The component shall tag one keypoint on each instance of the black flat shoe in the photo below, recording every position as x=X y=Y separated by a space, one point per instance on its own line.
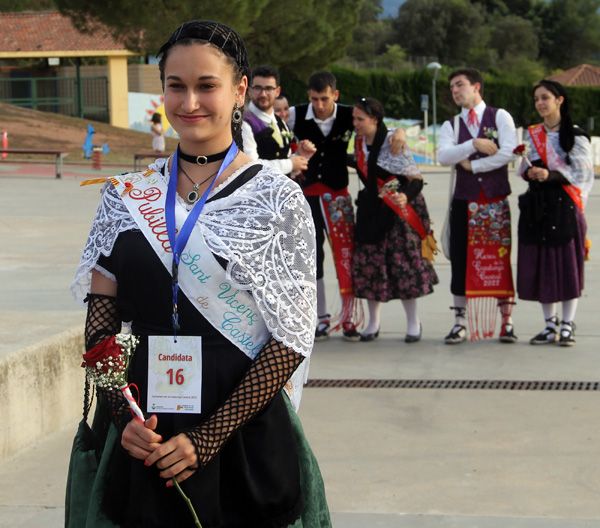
x=414 y=338
x=350 y=333
x=507 y=334
x=457 y=335
x=365 y=338
x=548 y=335
x=567 y=333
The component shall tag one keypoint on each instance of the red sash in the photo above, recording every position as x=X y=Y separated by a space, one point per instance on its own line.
x=407 y=213
x=538 y=137
x=338 y=214
x=488 y=274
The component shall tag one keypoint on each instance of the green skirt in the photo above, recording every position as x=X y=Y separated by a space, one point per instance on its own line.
x=89 y=461
x=316 y=511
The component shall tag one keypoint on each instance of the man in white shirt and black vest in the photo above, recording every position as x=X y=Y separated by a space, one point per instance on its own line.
x=325 y=183
x=265 y=134
x=479 y=142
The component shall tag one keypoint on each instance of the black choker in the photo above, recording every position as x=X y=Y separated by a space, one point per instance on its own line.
x=202 y=160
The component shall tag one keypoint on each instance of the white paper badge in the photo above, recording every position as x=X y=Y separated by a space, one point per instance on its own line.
x=174 y=374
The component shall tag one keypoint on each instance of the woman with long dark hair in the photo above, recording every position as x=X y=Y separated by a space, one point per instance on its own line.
x=392 y=254
x=211 y=256
x=552 y=226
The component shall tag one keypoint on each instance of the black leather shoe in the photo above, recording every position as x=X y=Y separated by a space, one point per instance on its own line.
x=507 y=334
x=414 y=338
x=365 y=338
x=458 y=334
x=322 y=331
x=350 y=333
x=548 y=335
x=567 y=333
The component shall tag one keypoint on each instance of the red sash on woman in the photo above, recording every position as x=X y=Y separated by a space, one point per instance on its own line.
x=407 y=213
x=538 y=137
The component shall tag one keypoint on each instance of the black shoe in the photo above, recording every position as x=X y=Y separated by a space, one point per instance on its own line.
x=350 y=333
x=365 y=338
x=322 y=331
x=548 y=335
x=458 y=334
x=414 y=338
x=507 y=334
x=567 y=333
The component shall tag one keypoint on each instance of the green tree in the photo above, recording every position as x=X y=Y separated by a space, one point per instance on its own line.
x=298 y=36
x=569 y=31
x=26 y=5
x=523 y=40
x=301 y=37
x=371 y=35
x=451 y=30
x=145 y=26
x=507 y=7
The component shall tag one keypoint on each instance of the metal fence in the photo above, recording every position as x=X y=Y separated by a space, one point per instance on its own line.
x=87 y=98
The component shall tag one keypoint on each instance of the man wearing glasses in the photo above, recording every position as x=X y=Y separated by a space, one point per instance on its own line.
x=265 y=135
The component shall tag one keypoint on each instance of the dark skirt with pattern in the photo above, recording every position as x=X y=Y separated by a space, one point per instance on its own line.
x=394 y=268
x=552 y=273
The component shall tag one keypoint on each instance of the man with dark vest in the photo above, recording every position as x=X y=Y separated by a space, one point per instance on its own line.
x=265 y=135
x=325 y=183
x=479 y=142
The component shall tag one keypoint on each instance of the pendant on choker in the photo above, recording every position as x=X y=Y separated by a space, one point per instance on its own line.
x=193 y=195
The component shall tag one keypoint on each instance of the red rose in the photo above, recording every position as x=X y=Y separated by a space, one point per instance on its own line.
x=294 y=146
x=519 y=150
x=103 y=352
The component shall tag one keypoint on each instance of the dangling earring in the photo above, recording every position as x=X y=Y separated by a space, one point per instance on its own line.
x=236 y=116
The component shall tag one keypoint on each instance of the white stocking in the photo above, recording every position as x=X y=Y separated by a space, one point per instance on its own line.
x=374 y=317
x=549 y=310
x=460 y=301
x=568 y=310
x=413 y=324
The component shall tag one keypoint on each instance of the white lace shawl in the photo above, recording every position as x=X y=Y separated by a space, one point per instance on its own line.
x=265 y=231
x=581 y=170
x=400 y=164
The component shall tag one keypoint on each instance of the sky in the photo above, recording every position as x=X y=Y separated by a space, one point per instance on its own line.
x=390 y=7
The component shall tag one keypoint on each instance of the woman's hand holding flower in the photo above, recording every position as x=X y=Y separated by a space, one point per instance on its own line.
x=176 y=458
x=538 y=174
x=398 y=199
x=139 y=439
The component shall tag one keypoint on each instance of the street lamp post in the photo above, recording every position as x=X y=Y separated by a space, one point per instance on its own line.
x=435 y=66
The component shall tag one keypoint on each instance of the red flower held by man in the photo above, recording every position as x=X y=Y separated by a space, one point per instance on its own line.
x=519 y=150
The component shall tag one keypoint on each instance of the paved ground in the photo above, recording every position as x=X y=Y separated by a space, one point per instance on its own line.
x=421 y=458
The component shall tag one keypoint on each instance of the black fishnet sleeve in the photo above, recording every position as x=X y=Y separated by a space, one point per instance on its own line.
x=102 y=321
x=266 y=377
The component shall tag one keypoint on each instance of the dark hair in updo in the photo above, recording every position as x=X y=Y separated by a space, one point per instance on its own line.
x=221 y=37
x=566 y=132
x=372 y=107
x=208 y=32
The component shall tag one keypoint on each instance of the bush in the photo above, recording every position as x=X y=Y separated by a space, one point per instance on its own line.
x=401 y=95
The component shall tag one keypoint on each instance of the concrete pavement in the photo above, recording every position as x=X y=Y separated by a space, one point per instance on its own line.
x=401 y=458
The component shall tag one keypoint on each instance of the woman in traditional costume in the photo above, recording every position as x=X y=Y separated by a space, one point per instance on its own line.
x=211 y=256
x=552 y=226
x=393 y=240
